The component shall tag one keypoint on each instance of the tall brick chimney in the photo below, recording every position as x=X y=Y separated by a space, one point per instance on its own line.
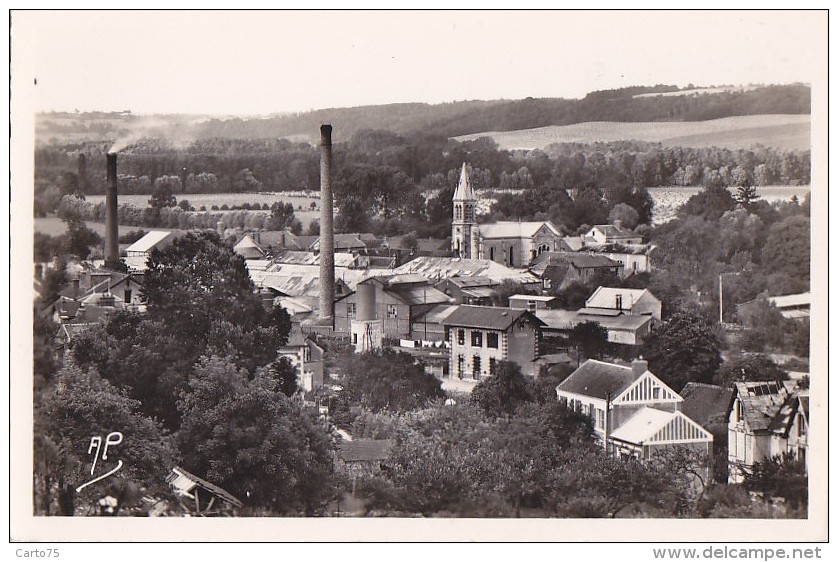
x=327 y=235
x=111 y=205
x=81 y=172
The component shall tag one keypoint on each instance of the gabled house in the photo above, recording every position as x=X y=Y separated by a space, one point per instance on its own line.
x=557 y=270
x=634 y=302
x=622 y=329
x=515 y=244
x=632 y=258
x=470 y=290
x=480 y=336
x=612 y=234
x=766 y=419
x=307 y=357
x=248 y=248
x=397 y=302
x=634 y=413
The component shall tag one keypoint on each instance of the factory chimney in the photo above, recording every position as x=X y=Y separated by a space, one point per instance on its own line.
x=111 y=236
x=81 y=172
x=327 y=238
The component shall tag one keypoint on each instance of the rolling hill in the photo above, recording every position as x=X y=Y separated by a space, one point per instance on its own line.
x=785 y=132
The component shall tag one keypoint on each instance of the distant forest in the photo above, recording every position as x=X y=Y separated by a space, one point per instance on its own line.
x=447 y=119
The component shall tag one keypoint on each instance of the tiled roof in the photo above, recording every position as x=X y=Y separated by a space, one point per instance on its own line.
x=761 y=402
x=597 y=378
x=491 y=317
x=513 y=229
x=365 y=450
x=579 y=260
x=606 y=297
x=705 y=403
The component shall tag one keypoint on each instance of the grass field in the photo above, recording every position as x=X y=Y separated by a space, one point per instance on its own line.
x=785 y=132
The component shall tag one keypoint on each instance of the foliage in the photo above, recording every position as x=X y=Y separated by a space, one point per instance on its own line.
x=388 y=380
x=683 y=349
x=281 y=376
x=748 y=367
x=710 y=203
x=787 y=247
x=45 y=356
x=626 y=214
x=82 y=405
x=253 y=441
x=502 y=392
x=781 y=476
x=589 y=339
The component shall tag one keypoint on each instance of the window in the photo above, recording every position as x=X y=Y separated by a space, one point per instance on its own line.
x=492 y=365
x=461 y=361
x=350 y=310
x=547 y=283
x=476 y=338
x=492 y=340
x=355 y=339
x=531 y=306
x=392 y=311
x=461 y=336
x=511 y=256
x=127 y=298
x=600 y=419
x=492 y=253
x=475 y=368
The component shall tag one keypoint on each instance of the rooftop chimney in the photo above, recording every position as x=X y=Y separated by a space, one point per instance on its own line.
x=327 y=237
x=639 y=366
x=111 y=205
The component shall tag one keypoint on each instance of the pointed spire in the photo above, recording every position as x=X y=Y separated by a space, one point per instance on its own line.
x=463 y=191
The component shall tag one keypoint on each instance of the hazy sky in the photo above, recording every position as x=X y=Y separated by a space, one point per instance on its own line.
x=270 y=62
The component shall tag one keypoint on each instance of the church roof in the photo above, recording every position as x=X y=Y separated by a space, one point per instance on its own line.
x=464 y=192
x=514 y=229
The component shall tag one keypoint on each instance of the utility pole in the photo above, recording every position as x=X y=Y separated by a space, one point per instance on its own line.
x=721 y=305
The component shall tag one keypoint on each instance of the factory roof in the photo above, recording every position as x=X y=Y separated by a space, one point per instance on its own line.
x=149 y=241
x=439 y=268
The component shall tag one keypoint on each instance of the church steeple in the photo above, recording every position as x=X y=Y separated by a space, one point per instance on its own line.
x=464 y=223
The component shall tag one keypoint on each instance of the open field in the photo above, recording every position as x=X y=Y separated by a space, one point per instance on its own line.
x=210 y=199
x=786 y=132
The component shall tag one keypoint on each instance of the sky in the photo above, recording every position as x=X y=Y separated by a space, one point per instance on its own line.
x=257 y=63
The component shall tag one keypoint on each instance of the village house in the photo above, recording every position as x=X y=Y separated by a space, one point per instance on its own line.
x=623 y=329
x=531 y=302
x=307 y=358
x=766 y=419
x=557 y=270
x=480 y=336
x=611 y=234
x=636 y=302
x=634 y=413
x=137 y=253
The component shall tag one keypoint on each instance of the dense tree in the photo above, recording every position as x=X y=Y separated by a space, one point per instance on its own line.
x=780 y=476
x=249 y=438
x=626 y=214
x=748 y=367
x=711 y=203
x=683 y=349
x=502 y=392
x=82 y=405
x=388 y=380
x=788 y=247
x=589 y=339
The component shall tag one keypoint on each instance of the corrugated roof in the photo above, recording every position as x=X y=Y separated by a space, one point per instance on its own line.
x=567 y=319
x=413 y=295
x=606 y=297
x=446 y=268
x=537 y=298
x=365 y=450
x=512 y=229
x=599 y=312
x=149 y=241
x=491 y=317
x=297 y=257
x=705 y=403
x=597 y=378
x=476 y=281
x=480 y=292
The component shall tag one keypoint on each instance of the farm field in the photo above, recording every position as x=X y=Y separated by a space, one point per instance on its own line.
x=785 y=132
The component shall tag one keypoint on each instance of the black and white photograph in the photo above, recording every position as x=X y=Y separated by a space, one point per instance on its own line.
x=466 y=275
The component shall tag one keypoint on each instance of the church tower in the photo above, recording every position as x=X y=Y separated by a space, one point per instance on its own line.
x=464 y=235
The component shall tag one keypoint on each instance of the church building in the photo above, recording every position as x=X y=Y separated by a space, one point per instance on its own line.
x=511 y=243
